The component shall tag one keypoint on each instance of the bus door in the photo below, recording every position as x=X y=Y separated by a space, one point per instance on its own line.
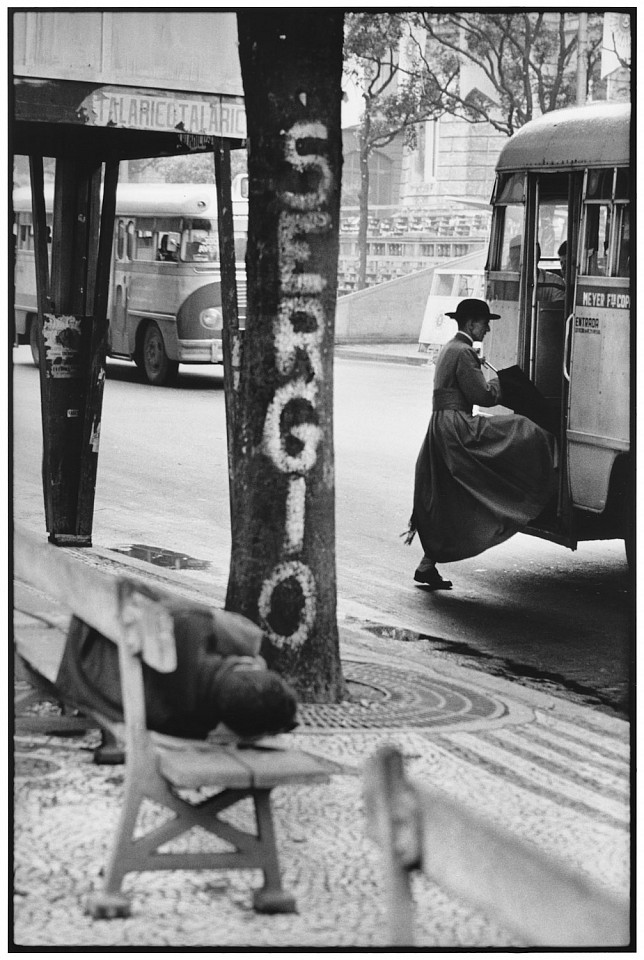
x=598 y=331
x=121 y=274
x=551 y=228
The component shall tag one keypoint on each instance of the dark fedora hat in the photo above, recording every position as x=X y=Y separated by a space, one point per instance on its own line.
x=472 y=309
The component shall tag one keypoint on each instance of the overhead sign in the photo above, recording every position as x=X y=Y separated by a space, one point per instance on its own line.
x=211 y=117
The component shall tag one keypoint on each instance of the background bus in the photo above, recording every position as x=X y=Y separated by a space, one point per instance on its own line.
x=463 y=278
x=164 y=304
x=565 y=179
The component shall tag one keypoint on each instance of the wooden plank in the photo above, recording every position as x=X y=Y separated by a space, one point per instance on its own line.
x=510 y=881
x=217 y=767
x=273 y=767
x=514 y=883
x=43 y=658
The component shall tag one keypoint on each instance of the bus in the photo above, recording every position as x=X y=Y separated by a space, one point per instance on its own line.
x=164 y=305
x=461 y=278
x=558 y=273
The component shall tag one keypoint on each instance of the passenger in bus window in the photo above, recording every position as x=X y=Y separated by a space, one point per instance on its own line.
x=164 y=253
x=478 y=479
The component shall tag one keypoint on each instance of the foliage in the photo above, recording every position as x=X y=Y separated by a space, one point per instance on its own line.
x=187 y=168
x=525 y=61
x=395 y=99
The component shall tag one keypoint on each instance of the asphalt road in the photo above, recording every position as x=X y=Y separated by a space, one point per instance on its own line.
x=530 y=609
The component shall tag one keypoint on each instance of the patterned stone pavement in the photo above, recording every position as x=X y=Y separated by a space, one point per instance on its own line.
x=554 y=773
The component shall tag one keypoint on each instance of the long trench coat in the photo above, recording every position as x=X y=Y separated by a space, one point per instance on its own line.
x=479 y=479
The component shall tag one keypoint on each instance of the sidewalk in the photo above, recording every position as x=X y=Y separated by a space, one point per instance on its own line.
x=554 y=773
x=383 y=352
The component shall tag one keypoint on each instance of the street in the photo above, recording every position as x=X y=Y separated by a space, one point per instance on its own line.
x=526 y=609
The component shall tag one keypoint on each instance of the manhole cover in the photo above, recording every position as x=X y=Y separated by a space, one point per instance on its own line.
x=382 y=696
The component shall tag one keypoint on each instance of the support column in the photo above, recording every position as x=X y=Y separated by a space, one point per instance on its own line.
x=72 y=337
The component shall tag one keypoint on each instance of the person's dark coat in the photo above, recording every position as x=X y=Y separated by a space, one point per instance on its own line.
x=479 y=479
x=182 y=703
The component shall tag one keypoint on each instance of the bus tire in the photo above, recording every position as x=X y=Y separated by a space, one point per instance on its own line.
x=159 y=370
x=33 y=341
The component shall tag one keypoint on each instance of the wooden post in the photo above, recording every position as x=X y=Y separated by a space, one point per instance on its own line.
x=231 y=340
x=43 y=297
x=73 y=335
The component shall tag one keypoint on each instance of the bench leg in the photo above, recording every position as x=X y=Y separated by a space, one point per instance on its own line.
x=110 y=751
x=271 y=898
x=110 y=902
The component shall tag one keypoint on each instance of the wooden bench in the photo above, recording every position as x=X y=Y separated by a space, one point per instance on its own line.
x=158 y=766
x=507 y=880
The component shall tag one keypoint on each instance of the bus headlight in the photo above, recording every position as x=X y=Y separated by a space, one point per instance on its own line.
x=212 y=318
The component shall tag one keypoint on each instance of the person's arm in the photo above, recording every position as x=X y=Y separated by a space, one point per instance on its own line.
x=472 y=384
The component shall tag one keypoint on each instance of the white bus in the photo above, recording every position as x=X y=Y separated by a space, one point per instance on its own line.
x=164 y=304
x=558 y=273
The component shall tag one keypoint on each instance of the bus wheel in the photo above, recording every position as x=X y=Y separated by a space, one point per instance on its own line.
x=157 y=366
x=33 y=341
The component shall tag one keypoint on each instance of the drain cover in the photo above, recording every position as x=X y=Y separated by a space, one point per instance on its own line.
x=162 y=557
x=382 y=696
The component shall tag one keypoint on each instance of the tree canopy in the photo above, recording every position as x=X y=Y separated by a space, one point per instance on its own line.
x=502 y=68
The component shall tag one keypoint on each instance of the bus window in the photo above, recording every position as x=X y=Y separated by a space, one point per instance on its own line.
x=26 y=236
x=444 y=284
x=120 y=240
x=199 y=241
x=552 y=227
x=131 y=241
x=465 y=286
x=168 y=246
x=145 y=246
x=510 y=249
x=621 y=266
x=594 y=259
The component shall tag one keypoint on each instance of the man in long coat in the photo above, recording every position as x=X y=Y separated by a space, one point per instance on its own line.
x=479 y=479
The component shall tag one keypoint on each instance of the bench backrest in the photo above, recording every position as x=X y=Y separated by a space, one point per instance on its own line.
x=509 y=881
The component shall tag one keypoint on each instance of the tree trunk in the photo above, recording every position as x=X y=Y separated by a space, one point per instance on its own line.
x=283 y=532
x=363 y=222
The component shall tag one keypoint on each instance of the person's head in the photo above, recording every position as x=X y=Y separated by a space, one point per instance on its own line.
x=473 y=317
x=253 y=701
x=562 y=253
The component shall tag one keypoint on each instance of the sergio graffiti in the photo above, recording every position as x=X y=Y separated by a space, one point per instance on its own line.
x=291 y=441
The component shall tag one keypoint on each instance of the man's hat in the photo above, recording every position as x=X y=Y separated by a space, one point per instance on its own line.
x=472 y=309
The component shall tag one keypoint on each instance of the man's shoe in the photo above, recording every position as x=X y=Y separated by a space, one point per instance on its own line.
x=432 y=578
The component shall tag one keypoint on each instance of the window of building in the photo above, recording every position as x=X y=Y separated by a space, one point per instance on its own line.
x=380 y=179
